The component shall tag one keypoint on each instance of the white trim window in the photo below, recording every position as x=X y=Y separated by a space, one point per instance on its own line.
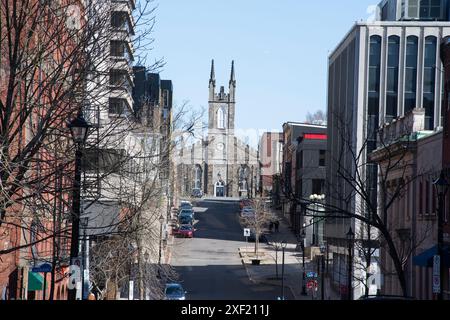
x=221 y=118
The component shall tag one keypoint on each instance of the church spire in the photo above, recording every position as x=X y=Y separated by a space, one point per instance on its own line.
x=232 y=78
x=212 y=77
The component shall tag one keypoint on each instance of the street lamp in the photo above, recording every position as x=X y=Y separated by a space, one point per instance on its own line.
x=283 y=246
x=303 y=236
x=85 y=275
x=79 y=130
x=441 y=186
x=350 y=239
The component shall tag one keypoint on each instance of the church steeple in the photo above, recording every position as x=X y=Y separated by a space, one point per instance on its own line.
x=212 y=77
x=232 y=78
x=212 y=82
x=232 y=87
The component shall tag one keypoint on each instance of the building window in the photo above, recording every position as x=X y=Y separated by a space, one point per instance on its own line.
x=119 y=20
x=198 y=177
x=430 y=9
x=413 y=9
x=384 y=12
x=374 y=89
x=243 y=178
x=411 y=73
x=116 y=106
x=429 y=81
x=300 y=159
x=322 y=158
x=221 y=118
x=118 y=48
x=317 y=186
x=392 y=78
x=166 y=98
x=117 y=77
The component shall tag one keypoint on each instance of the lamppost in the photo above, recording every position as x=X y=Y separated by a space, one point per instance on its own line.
x=350 y=239
x=161 y=221
x=303 y=237
x=313 y=199
x=283 y=246
x=79 y=130
x=143 y=277
x=85 y=275
x=441 y=186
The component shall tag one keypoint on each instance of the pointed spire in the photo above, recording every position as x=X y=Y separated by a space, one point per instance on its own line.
x=213 y=74
x=232 y=78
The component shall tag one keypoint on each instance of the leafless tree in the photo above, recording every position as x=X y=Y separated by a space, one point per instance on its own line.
x=318 y=117
x=257 y=220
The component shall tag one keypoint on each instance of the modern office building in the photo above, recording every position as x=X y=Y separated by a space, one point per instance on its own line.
x=380 y=71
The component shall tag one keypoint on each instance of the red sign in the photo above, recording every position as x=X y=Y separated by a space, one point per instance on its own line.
x=314 y=136
x=312 y=284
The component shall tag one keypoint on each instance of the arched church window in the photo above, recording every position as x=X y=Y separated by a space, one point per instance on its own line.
x=197 y=177
x=243 y=178
x=221 y=118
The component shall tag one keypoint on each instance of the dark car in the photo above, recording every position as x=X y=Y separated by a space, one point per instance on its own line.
x=186 y=220
x=197 y=193
x=175 y=291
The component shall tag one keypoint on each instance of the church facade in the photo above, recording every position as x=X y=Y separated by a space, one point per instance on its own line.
x=220 y=165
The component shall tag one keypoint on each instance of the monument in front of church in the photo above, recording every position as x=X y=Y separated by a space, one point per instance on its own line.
x=221 y=165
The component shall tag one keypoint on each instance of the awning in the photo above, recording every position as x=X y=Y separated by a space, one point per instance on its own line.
x=35 y=281
x=425 y=259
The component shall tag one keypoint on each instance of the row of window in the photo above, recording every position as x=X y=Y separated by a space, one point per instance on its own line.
x=410 y=82
x=243 y=174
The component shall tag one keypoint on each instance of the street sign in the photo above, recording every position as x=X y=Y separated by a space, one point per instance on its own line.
x=311 y=274
x=246 y=232
x=312 y=285
x=45 y=267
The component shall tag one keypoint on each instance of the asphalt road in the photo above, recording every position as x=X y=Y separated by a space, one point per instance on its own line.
x=209 y=265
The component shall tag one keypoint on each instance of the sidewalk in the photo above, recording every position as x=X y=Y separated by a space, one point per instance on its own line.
x=266 y=272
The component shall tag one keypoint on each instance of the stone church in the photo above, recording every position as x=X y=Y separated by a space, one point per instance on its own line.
x=221 y=165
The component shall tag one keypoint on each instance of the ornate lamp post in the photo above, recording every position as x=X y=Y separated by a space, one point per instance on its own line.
x=350 y=239
x=283 y=246
x=303 y=237
x=441 y=186
x=161 y=221
x=79 y=130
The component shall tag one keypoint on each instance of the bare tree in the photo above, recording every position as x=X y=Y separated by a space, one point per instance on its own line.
x=257 y=220
x=318 y=117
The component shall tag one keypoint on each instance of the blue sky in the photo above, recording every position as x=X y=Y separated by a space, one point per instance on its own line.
x=280 y=50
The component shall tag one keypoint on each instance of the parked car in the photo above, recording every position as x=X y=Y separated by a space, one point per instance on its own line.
x=185 y=231
x=186 y=212
x=186 y=220
x=185 y=203
x=197 y=193
x=175 y=291
x=247 y=212
x=245 y=203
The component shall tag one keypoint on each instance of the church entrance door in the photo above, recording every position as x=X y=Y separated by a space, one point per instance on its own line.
x=219 y=189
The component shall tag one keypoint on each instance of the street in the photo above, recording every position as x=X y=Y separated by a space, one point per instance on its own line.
x=209 y=265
